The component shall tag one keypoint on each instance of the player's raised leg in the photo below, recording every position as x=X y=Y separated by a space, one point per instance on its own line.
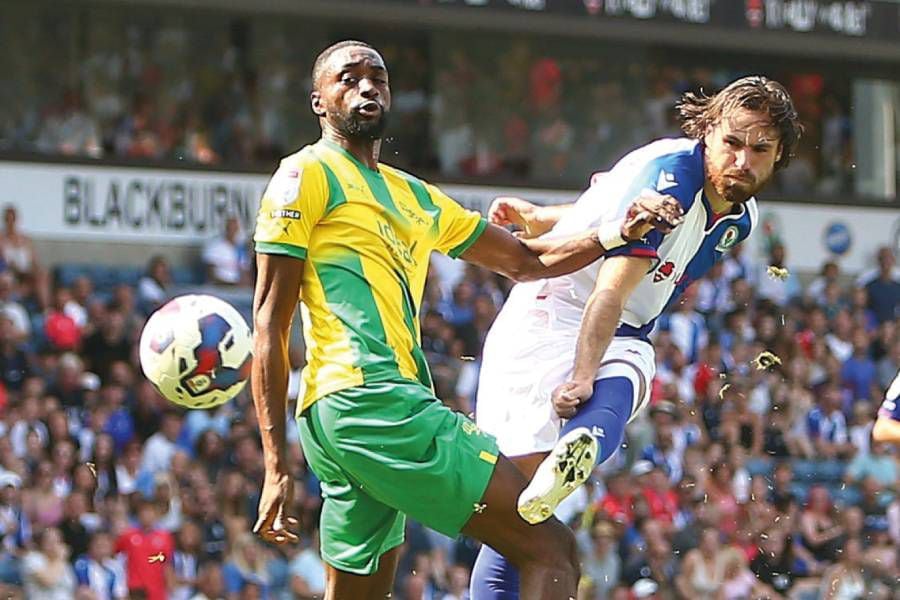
x=586 y=440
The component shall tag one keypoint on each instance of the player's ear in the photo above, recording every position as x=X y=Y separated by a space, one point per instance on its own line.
x=315 y=101
x=779 y=152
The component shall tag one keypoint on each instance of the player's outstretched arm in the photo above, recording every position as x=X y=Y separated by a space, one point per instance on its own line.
x=525 y=260
x=533 y=220
x=887 y=430
x=274 y=303
x=616 y=280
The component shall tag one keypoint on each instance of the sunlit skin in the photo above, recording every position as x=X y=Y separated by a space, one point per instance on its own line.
x=886 y=430
x=352 y=99
x=740 y=157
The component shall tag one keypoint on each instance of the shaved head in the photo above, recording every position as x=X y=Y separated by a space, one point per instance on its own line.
x=322 y=59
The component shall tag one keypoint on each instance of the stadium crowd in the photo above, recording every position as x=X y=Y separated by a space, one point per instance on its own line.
x=116 y=87
x=739 y=482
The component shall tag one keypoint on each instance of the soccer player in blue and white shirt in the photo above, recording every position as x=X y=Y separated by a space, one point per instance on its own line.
x=576 y=347
x=887 y=425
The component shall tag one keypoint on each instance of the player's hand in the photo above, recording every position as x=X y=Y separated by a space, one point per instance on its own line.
x=651 y=210
x=567 y=397
x=507 y=210
x=277 y=496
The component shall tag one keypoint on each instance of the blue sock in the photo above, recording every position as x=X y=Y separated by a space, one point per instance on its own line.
x=605 y=414
x=493 y=577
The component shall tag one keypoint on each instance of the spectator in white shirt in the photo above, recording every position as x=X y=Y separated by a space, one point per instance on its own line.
x=225 y=257
x=161 y=446
x=12 y=309
x=778 y=291
x=152 y=292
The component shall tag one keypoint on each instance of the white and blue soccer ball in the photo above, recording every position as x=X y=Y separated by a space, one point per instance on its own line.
x=196 y=350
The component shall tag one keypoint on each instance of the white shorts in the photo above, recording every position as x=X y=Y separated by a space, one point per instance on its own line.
x=520 y=370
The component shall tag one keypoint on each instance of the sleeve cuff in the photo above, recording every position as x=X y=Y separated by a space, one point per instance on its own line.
x=476 y=233
x=638 y=250
x=282 y=249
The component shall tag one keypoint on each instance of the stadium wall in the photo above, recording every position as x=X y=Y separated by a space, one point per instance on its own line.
x=135 y=212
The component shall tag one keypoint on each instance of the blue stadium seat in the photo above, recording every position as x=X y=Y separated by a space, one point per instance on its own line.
x=759 y=466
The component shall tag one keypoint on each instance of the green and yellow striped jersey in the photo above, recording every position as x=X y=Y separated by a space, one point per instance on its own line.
x=366 y=236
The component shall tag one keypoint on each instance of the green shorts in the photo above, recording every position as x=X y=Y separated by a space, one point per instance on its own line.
x=385 y=450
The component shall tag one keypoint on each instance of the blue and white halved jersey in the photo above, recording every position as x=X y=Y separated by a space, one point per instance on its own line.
x=890 y=408
x=668 y=166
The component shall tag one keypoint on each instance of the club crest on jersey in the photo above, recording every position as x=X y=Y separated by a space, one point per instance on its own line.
x=664 y=271
x=728 y=239
x=285 y=186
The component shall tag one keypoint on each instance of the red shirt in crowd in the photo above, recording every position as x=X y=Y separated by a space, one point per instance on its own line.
x=663 y=505
x=147 y=554
x=617 y=508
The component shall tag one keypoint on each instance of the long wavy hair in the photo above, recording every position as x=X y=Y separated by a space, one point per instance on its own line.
x=699 y=112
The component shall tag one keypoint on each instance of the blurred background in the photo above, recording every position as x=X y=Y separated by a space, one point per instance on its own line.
x=136 y=137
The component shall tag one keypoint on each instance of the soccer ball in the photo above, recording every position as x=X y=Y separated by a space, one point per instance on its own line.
x=196 y=351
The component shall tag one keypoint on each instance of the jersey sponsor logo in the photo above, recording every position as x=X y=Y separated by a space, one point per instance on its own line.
x=664 y=271
x=285 y=213
x=665 y=181
x=728 y=239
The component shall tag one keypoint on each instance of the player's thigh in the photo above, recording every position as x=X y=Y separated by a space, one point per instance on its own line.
x=514 y=401
x=377 y=586
x=409 y=451
x=634 y=360
x=499 y=525
x=355 y=529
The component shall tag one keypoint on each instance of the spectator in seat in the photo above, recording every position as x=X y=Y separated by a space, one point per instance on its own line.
x=307 y=572
x=879 y=464
x=15 y=362
x=210 y=583
x=46 y=571
x=11 y=309
x=775 y=290
x=829 y=274
x=186 y=561
x=883 y=286
x=845 y=580
x=774 y=564
x=161 y=446
x=827 y=427
x=111 y=342
x=226 y=259
x=21 y=258
x=602 y=565
x=819 y=525
x=245 y=565
x=61 y=329
x=153 y=286
x=98 y=571
x=703 y=571
x=858 y=373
